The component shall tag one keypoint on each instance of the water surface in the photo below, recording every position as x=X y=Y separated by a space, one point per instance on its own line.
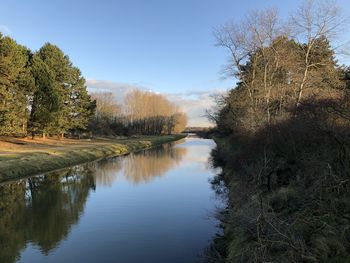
x=151 y=206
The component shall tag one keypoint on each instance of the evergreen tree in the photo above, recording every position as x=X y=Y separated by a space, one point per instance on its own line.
x=58 y=64
x=81 y=108
x=16 y=87
x=46 y=99
x=75 y=107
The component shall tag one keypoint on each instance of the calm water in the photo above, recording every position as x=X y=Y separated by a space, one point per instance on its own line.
x=152 y=206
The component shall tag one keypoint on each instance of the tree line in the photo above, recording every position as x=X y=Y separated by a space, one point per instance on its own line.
x=283 y=139
x=43 y=93
x=142 y=112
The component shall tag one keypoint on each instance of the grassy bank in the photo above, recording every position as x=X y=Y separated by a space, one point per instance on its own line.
x=25 y=157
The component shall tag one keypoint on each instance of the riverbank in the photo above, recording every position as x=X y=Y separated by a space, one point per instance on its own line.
x=288 y=195
x=25 y=157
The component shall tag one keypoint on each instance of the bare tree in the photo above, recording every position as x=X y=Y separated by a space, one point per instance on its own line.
x=312 y=21
x=106 y=105
x=254 y=40
x=152 y=113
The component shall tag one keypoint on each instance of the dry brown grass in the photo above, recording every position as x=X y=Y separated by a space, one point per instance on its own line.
x=20 y=157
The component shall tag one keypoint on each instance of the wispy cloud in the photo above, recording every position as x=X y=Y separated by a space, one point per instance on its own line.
x=194 y=103
x=5 y=29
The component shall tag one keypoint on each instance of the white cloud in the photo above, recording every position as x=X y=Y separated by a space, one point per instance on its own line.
x=5 y=30
x=119 y=90
x=194 y=103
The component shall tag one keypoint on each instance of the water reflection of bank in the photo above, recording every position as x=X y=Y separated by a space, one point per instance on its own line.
x=41 y=210
x=144 y=167
x=140 y=167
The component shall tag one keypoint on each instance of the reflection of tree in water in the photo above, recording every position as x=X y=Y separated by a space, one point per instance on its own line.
x=41 y=210
x=106 y=170
x=143 y=166
x=12 y=205
x=137 y=167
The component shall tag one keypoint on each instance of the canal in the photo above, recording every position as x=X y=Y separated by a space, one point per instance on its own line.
x=153 y=206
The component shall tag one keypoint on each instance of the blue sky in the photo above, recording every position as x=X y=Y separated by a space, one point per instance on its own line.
x=166 y=46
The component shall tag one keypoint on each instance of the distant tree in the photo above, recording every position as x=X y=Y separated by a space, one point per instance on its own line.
x=106 y=105
x=151 y=113
x=180 y=122
x=106 y=119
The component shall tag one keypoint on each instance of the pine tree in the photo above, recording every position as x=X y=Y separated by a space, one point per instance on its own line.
x=46 y=99
x=75 y=107
x=16 y=87
x=81 y=108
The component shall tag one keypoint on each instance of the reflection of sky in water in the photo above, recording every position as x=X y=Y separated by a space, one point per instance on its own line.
x=198 y=150
x=152 y=206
